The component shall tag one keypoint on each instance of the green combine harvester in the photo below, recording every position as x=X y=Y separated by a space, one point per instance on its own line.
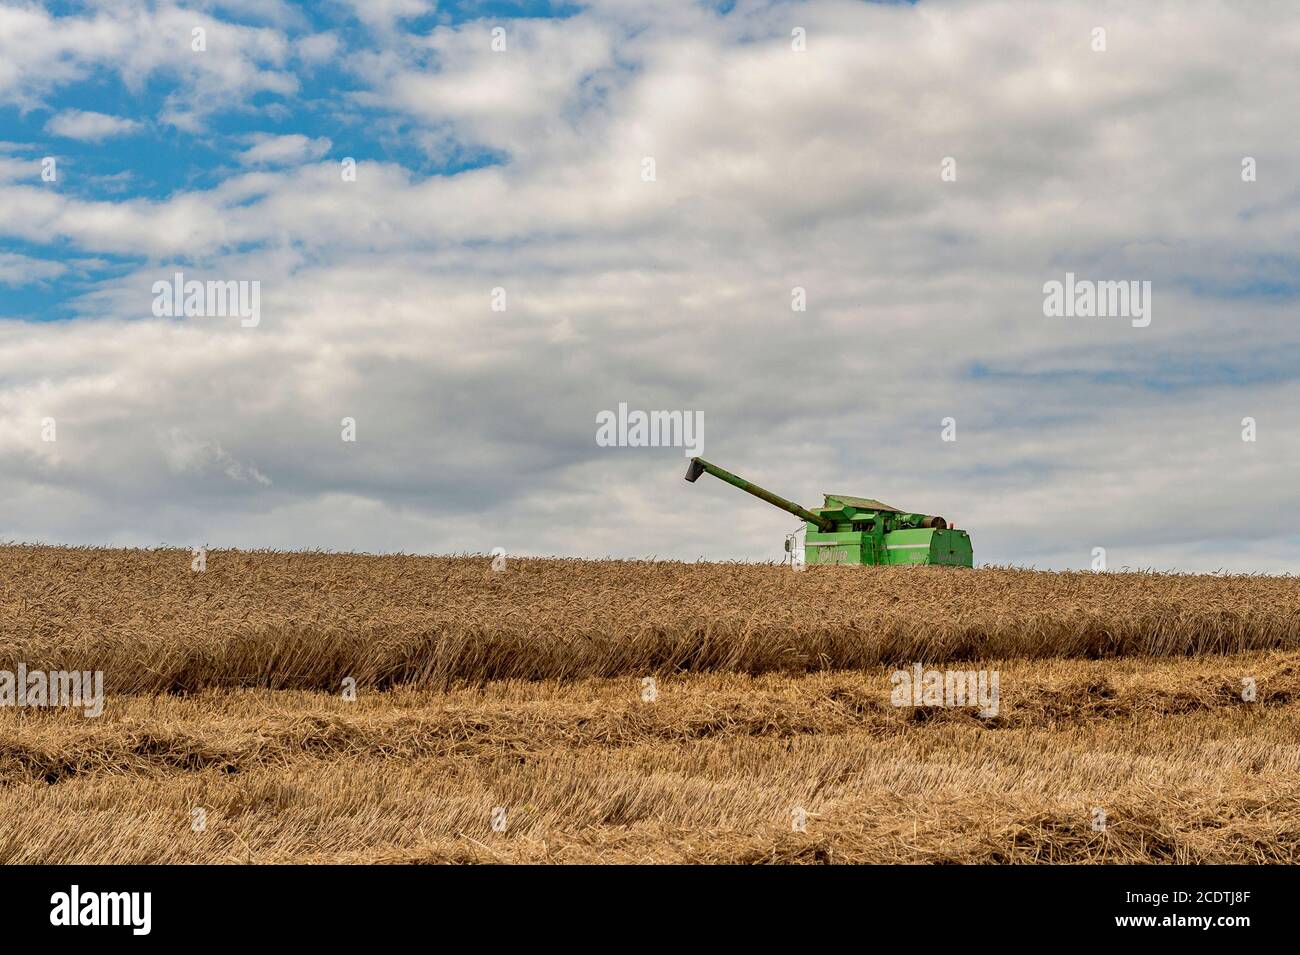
x=858 y=530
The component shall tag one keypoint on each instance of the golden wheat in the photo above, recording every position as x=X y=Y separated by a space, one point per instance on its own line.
x=711 y=771
x=520 y=692
x=307 y=620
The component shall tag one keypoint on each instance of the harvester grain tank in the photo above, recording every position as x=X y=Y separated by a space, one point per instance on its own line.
x=859 y=530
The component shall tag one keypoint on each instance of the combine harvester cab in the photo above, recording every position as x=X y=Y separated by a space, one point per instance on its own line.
x=859 y=530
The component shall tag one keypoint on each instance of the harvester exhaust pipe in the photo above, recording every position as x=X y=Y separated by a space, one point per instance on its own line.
x=694 y=470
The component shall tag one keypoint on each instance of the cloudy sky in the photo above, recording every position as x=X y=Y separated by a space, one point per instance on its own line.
x=920 y=171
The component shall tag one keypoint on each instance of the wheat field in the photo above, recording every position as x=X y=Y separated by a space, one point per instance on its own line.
x=504 y=716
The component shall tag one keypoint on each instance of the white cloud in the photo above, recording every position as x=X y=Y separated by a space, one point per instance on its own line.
x=41 y=52
x=317 y=48
x=186 y=454
x=775 y=169
x=530 y=98
x=288 y=150
x=24 y=270
x=384 y=15
x=89 y=126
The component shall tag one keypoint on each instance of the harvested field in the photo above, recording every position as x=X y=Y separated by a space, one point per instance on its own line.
x=523 y=691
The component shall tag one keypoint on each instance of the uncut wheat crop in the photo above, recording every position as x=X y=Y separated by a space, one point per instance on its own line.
x=502 y=716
